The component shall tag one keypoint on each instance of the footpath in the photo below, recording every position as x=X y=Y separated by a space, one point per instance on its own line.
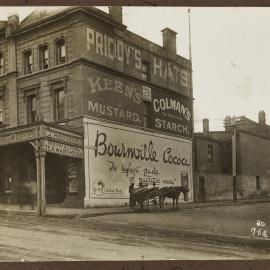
x=233 y=224
x=57 y=210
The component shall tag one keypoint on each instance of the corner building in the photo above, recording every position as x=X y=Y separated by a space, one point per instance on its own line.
x=87 y=107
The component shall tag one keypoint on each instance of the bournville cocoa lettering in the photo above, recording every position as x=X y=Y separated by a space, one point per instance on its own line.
x=102 y=148
x=145 y=152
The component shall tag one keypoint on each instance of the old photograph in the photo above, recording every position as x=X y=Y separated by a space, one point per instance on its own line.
x=134 y=133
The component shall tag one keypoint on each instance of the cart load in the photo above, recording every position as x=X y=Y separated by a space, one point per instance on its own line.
x=154 y=197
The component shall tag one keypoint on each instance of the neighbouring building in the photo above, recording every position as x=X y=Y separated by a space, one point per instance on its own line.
x=213 y=160
x=88 y=107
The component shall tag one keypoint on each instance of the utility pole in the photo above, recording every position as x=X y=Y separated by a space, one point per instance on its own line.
x=234 y=159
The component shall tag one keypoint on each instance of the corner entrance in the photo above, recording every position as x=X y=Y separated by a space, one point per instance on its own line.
x=45 y=156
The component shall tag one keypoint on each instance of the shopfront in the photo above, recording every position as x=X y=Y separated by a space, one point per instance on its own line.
x=48 y=155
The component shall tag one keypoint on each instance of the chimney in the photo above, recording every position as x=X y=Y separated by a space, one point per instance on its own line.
x=169 y=40
x=205 y=126
x=116 y=13
x=261 y=117
x=12 y=24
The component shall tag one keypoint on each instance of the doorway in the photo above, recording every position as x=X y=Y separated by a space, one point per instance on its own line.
x=201 y=189
x=55 y=179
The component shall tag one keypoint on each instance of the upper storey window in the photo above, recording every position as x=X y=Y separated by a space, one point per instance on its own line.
x=60 y=51
x=1 y=110
x=31 y=108
x=28 y=62
x=44 y=57
x=59 y=104
x=1 y=64
x=145 y=71
x=210 y=153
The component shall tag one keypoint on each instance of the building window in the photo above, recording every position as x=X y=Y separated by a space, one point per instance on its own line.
x=28 y=63
x=43 y=57
x=1 y=64
x=31 y=108
x=210 y=153
x=59 y=104
x=145 y=71
x=60 y=51
x=1 y=110
x=258 y=183
x=146 y=109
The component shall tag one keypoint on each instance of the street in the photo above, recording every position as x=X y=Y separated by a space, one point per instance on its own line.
x=135 y=236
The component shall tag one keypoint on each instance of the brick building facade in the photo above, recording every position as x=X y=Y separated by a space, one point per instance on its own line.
x=69 y=72
x=213 y=151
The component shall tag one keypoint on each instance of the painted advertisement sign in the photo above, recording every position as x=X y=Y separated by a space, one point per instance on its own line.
x=72 y=175
x=63 y=149
x=171 y=113
x=113 y=98
x=20 y=136
x=54 y=134
x=119 y=54
x=117 y=156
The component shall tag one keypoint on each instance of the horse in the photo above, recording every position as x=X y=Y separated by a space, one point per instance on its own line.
x=173 y=193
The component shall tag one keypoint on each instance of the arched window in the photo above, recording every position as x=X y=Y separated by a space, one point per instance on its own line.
x=28 y=63
x=60 y=51
x=44 y=57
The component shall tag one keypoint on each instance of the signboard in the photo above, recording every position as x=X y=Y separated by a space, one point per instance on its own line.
x=63 y=149
x=72 y=174
x=147 y=93
x=112 y=98
x=171 y=113
x=19 y=136
x=117 y=156
x=114 y=52
x=57 y=135
x=184 y=179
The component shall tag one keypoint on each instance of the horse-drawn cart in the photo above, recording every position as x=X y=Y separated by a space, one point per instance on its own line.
x=153 y=198
x=143 y=197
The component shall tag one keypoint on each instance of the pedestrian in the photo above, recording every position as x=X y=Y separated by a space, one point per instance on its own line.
x=22 y=194
x=29 y=194
x=32 y=193
x=131 y=187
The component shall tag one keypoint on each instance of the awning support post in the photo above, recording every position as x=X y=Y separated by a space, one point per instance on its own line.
x=40 y=155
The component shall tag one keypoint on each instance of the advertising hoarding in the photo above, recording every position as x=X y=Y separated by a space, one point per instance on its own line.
x=113 y=98
x=171 y=113
x=116 y=156
x=123 y=55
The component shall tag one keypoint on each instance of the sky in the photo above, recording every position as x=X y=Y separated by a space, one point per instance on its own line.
x=230 y=55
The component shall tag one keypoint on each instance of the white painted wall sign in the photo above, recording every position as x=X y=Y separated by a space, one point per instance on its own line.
x=116 y=155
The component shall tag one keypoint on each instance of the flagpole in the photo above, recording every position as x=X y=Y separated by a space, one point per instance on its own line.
x=189 y=32
x=192 y=106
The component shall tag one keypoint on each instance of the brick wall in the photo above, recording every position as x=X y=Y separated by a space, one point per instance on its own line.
x=217 y=186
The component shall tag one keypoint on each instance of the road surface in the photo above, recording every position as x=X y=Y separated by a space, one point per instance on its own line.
x=112 y=237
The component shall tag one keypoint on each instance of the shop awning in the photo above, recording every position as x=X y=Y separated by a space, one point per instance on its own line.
x=53 y=138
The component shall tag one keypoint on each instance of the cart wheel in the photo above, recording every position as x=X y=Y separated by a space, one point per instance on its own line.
x=153 y=201
x=138 y=207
